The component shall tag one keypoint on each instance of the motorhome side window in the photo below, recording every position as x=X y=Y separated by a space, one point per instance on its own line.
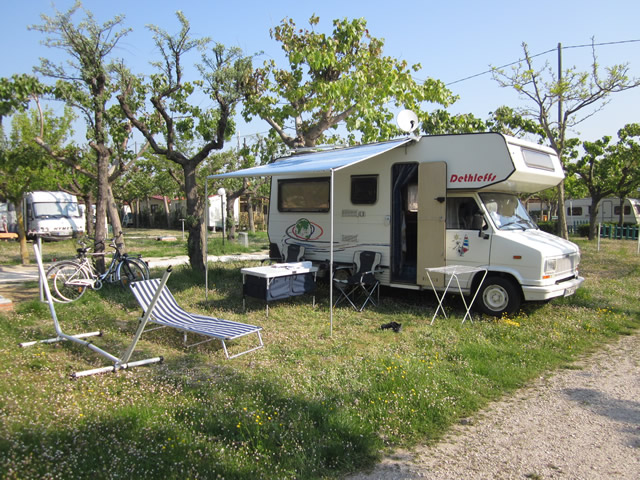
x=575 y=211
x=627 y=210
x=460 y=213
x=304 y=195
x=364 y=189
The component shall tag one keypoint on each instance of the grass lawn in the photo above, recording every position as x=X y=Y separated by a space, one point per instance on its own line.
x=308 y=405
x=144 y=242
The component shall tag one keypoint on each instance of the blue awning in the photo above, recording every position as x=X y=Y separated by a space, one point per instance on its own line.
x=324 y=161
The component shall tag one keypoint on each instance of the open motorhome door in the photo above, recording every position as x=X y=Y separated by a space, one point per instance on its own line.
x=432 y=205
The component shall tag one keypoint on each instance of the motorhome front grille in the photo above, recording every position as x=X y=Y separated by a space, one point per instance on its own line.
x=568 y=263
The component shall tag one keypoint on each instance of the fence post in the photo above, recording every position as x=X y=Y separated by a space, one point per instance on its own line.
x=599 y=233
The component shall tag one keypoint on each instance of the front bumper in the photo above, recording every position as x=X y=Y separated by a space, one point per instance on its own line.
x=563 y=289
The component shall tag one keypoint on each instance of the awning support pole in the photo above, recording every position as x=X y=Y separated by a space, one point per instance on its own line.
x=331 y=257
x=206 y=240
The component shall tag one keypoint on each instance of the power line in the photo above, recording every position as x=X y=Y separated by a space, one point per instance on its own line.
x=540 y=54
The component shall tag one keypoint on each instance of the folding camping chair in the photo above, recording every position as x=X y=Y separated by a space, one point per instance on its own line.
x=362 y=282
x=118 y=363
x=292 y=253
x=157 y=301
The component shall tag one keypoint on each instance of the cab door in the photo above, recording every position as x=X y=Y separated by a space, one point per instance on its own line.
x=468 y=236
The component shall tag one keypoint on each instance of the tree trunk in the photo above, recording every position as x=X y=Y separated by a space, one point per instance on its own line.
x=593 y=218
x=22 y=235
x=195 y=225
x=230 y=220
x=101 y=208
x=167 y=213
x=114 y=215
x=88 y=212
x=621 y=217
x=250 y=216
x=150 y=212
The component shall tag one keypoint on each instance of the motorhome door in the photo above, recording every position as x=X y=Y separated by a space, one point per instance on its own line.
x=418 y=221
x=432 y=194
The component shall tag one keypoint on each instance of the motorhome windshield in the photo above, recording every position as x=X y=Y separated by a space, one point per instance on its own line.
x=56 y=209
x=507 y=212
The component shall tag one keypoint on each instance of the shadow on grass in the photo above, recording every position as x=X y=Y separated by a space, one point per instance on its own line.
x=235 y=428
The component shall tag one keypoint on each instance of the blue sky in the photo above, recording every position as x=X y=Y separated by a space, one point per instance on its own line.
x=452 y=40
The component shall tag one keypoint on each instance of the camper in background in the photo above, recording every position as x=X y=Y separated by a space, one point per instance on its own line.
x=53 y=215
x=578 y=211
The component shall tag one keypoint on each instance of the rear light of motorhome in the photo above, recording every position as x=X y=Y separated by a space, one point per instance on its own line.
x=517 y=257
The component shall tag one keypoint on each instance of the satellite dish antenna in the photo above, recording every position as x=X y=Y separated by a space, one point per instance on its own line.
x=407 y=121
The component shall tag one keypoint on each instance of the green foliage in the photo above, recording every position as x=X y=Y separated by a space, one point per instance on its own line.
x=583 y=230
x=441 y=122
x=16 y=92
x=549 y=227
x=333 y=79
x=24 y=166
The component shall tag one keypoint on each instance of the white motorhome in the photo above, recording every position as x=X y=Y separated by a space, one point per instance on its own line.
x=428 y=202
x=53 y=215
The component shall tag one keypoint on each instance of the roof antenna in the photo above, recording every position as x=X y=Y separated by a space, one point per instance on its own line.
x=407 y=122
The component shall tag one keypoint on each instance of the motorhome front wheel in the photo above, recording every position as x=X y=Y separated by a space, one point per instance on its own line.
x=499 y=296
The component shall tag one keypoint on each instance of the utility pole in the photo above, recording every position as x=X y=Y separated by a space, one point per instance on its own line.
x=559 y=84
x=562 y=219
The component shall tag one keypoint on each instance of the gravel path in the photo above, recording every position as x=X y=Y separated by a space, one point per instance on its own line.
x=581 y=423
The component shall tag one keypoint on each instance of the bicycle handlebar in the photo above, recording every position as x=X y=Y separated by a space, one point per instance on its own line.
x=112 y=243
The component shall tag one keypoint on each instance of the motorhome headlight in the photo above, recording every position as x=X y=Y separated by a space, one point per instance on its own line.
x=550 y=266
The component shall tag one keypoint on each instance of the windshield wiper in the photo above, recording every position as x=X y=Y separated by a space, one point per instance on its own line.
x=515 y=222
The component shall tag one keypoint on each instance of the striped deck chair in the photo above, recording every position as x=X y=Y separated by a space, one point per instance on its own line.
x=166 y=312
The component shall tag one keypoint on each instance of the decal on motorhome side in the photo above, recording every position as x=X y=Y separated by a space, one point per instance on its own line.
x=305 y=229
x=472 y=177
x=311 y=235
x=461 y=245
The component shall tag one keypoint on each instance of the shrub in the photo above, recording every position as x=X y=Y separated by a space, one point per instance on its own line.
x=549 y=227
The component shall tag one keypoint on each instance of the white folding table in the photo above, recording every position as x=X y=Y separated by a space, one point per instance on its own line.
x=278 y=281
x=453 y=271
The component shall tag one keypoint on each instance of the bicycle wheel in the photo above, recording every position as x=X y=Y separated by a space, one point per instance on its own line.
x=70 y=281
x=130 y=271
x=144 y=266
x=50 y=275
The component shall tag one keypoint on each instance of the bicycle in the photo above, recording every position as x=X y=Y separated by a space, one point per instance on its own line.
x=71 y=278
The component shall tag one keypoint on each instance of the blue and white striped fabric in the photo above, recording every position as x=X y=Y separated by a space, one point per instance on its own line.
x=168 y=313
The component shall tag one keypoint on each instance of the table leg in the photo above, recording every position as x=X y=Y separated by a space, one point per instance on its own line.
x=440 y=298
x=473 y=299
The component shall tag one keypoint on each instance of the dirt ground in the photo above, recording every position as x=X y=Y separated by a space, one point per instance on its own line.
x=578 y=423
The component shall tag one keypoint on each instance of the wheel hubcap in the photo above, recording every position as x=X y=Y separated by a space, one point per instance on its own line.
x=496 y=298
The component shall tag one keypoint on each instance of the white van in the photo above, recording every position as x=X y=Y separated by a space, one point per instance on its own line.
x=428 y=202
